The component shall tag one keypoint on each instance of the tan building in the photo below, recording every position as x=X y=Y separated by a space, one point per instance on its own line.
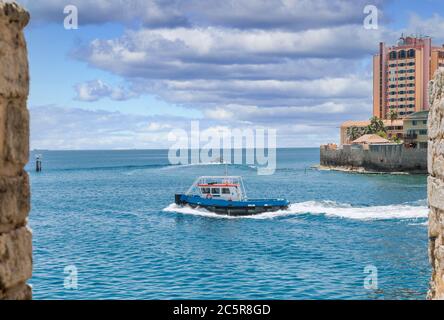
x=401 y=74
x=415 y=130
x=394 y=129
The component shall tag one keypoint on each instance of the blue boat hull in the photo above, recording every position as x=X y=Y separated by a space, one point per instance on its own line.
x=233 y=208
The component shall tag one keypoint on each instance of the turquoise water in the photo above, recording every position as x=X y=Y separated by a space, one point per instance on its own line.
x=110 y=214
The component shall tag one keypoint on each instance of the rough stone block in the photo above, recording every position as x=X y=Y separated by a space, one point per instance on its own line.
x=16 y=145
x=434 y=223
x=20 y=292
x=2 y=128
x=14 y=202
x=15 y=257
x=14 y=76
x=435 y=182
x=435 y=192
x=435 y=157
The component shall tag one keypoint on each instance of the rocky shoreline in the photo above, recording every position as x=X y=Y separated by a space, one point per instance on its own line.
x=350 y=169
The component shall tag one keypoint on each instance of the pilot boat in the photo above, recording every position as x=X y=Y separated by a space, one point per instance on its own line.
x=226 y=195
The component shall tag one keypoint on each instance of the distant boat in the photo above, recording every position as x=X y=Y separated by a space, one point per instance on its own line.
x=219 y=160
x=226 y=195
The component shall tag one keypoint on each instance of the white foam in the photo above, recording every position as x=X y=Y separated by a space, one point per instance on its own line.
x=327 y=208
x=424 y=224
x=179 y=166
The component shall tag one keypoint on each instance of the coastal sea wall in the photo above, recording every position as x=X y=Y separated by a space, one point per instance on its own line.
x=15 y=236
x=377 y=158
x=436 y=185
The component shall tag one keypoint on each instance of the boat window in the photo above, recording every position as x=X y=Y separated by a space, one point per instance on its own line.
x=205 y=190
x=225 y=191
x=215 y=190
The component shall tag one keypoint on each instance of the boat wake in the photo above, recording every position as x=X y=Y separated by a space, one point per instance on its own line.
x=327 y=208
x=204 y=164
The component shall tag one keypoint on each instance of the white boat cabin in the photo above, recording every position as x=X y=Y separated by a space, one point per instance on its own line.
x=229 y=188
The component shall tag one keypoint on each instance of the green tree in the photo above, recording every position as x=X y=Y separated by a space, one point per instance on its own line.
x=382 y=134
x=354 y=133
x=392 y=115
x=376 y=125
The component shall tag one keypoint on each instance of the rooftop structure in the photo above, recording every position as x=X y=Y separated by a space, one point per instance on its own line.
x=394 y=128
x=370 y=139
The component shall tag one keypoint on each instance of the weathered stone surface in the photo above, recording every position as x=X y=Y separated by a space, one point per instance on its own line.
x=15 y=237
x=436 y=158
x=435 y=163
x=434 y=223
x=435 y=192
x=15 y=257
x=16 y=145
x=14 y=76
x=21 y=291
x=14 y=202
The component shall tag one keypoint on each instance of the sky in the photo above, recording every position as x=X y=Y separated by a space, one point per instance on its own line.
x=135 y=70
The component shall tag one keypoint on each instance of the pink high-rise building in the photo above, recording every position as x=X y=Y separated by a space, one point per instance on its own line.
x=401 y=74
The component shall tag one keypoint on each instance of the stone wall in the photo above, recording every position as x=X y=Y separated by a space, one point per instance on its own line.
x=15 y=236
x=436 y=185
x=378 y=158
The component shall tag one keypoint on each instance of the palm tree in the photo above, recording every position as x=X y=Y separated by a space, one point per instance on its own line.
x=352 y=133
x=376 y=125
x=392 y=115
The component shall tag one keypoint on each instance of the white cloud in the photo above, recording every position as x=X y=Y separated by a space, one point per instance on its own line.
x=245 y=14
x=97 y=89
x=151 y=13
x=99 y=129
x=212 y=66
x=298 y=66
x=428 y=27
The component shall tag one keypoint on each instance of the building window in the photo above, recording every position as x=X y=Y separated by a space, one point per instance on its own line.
x=414 y=122
x=401 y=54
x=423 y=132
x=393 y=55
x=423 y=145
x=411 y=53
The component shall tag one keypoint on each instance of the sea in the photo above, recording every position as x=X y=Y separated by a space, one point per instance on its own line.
x=105 y=226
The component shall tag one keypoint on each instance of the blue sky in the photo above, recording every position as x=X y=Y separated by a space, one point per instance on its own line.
x=135 y=70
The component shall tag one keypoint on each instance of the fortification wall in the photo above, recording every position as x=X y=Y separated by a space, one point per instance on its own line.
x=381 y=158
x=15 y=236
x=436 y=185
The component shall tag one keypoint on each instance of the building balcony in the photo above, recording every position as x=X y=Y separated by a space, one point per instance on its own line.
x=410 y=136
